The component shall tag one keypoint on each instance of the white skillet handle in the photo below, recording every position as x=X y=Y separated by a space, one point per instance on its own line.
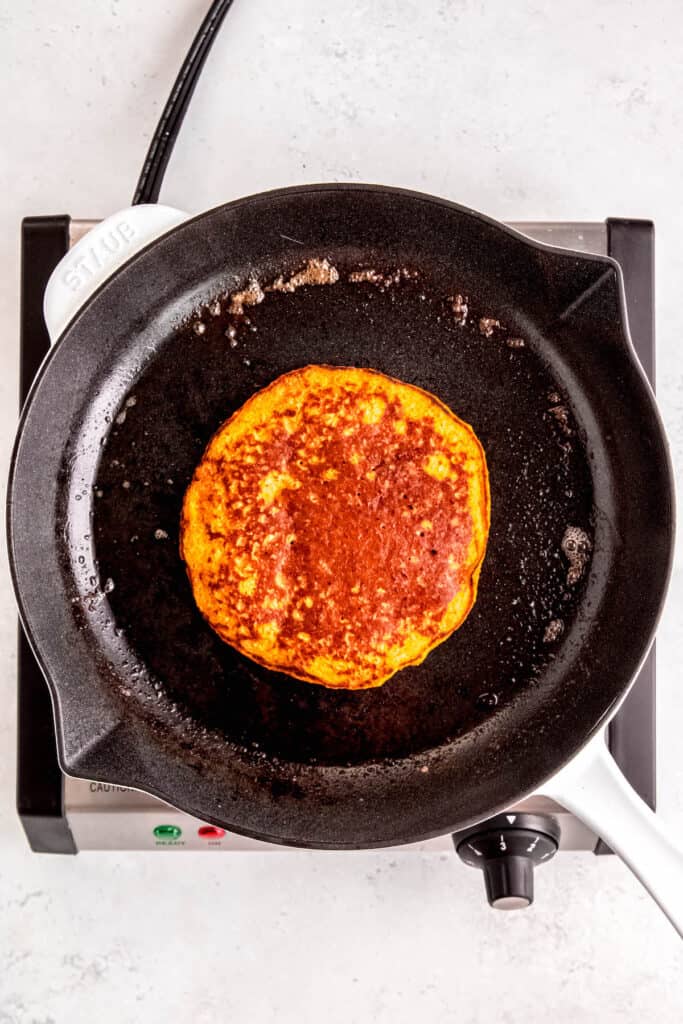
x=594 y=789
x=98 y=254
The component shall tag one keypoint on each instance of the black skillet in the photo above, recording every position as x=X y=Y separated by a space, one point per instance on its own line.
x=147 y=696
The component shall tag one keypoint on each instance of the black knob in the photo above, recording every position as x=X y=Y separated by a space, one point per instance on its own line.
x=506 y=848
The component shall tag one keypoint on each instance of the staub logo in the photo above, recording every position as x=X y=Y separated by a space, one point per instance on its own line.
x=99 y=253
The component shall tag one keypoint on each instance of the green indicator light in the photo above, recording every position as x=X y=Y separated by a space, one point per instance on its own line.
x=167 y=832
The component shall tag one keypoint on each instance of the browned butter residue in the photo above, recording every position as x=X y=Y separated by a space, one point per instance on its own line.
x=316 y=271
x=249 y=296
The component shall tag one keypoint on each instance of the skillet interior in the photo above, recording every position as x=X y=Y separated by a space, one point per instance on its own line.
x=540 y=484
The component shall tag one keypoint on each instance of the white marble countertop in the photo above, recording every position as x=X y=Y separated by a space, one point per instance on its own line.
x=535 y=110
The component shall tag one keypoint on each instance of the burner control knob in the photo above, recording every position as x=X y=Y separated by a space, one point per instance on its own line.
x=506 y=848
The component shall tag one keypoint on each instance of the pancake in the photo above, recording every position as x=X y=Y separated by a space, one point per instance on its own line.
x=336 y=525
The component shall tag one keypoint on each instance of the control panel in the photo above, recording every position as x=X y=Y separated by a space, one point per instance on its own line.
x=108 y=817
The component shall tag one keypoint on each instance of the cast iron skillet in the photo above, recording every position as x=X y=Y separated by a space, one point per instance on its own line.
x=147 y=696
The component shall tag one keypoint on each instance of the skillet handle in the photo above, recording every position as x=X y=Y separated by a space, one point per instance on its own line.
x=593 y=787
x=106 y=247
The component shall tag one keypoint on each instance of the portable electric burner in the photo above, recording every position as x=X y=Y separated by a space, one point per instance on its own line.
x=506 y=742
x=65 y=815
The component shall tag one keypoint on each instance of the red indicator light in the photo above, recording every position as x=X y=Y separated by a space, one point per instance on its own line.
x=210 y=832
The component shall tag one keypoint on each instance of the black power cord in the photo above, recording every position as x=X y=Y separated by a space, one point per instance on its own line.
x=164 y=138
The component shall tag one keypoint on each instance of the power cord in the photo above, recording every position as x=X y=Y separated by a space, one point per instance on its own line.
x=164 y=138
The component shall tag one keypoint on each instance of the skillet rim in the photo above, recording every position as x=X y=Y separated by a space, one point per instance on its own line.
x=72 y=761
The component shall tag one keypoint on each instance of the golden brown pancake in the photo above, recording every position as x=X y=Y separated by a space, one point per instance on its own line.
x=336 y=525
